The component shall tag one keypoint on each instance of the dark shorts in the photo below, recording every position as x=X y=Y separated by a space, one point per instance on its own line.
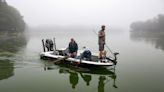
x=101 y=47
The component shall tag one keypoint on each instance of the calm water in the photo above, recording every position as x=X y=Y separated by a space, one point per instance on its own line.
x=139 y=69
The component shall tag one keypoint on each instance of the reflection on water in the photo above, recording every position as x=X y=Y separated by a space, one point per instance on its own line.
x=156 y=39
x=86 y=78
x=73 y=77
x=11 y=42
x=6 y=69
x=104 y=75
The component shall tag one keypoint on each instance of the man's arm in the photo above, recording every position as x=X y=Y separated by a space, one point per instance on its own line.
x=76 y=47
x=69 y=47
x=101 y=34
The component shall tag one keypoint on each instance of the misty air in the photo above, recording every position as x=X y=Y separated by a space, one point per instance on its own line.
x=81 y=45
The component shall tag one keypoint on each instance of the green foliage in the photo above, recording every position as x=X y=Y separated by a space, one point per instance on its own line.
x=10 y=19
x=12 y=28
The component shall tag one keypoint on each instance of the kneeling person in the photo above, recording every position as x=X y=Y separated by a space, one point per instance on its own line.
x=86 y=55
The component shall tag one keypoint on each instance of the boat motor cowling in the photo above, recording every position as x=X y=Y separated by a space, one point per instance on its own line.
x=49 y=45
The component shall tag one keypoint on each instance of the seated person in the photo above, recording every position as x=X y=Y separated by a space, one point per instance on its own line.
x=73 y=47
x=86 y=55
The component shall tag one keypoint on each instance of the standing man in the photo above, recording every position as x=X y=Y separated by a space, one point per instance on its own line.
x=101 y=41
x=73 y=47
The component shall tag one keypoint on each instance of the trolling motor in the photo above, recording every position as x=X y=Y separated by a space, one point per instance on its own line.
x=115 y=58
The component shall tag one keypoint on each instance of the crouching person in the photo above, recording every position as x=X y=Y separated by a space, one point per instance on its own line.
x=86 y=55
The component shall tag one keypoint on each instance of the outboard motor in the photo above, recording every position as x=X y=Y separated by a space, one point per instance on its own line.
x=49 y=44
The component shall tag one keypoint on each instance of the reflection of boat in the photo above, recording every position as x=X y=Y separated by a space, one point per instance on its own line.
x=104 y=75
x=88 y=70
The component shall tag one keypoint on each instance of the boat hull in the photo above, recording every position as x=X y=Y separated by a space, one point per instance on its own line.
x=76 y=61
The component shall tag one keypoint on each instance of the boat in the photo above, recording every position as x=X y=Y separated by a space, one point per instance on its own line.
x=61 y=55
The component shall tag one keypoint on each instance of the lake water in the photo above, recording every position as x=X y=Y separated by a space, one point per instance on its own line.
x=139 y=69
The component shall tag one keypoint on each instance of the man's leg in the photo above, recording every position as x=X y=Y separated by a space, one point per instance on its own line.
x=101 y=50
x=100 y=55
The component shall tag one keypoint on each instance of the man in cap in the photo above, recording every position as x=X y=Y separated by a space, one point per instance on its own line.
x=101 y=41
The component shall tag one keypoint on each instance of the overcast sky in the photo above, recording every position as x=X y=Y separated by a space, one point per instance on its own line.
x=87 y=12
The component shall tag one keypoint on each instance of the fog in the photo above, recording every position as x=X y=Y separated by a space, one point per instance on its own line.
x=87 y=12
x=151 y=31
x=151 y=25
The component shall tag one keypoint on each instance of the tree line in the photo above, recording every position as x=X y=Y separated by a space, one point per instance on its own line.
x=152 y=25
